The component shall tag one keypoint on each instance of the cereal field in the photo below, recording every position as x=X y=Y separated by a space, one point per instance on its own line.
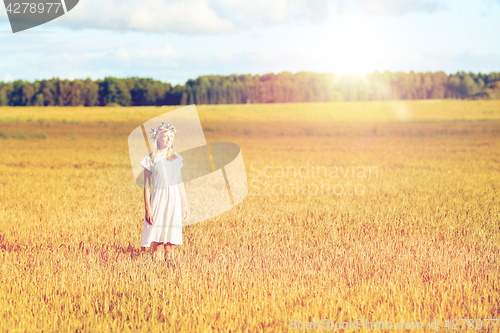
x=407 y=230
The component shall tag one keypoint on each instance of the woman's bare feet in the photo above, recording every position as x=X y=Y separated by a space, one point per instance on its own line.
x=169 y=251
x=157 y=250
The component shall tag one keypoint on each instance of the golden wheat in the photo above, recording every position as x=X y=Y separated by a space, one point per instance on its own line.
x=421 y=243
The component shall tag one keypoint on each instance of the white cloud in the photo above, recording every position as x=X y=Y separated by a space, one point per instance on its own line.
x=190 y=16
x=205 y=17
x=163 y=56
x=264 y=12
x=8 y=78
x=391 y=7
x=354 y=42
x=400 y=7
x=121 y=53
x=166 y=51
x=186 y=17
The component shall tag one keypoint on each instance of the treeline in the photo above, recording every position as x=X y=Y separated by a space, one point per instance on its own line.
x=234 y=89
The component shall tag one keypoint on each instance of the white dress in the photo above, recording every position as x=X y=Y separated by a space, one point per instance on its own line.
x=166 y=205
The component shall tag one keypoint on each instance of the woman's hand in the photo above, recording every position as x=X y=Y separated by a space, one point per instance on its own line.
x=149 y=217
x=185 y=212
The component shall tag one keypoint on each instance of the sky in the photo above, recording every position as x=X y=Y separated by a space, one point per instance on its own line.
x=176 y=40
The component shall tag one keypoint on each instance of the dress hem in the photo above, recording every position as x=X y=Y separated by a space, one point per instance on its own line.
x=162 y=244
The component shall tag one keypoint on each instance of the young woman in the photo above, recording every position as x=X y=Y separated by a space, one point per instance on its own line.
x=164 y=195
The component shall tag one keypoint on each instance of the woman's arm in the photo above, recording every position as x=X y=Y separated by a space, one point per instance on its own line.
x=147 y=195
x=182 y=190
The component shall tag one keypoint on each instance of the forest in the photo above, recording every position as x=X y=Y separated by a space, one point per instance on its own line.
x=235 y=89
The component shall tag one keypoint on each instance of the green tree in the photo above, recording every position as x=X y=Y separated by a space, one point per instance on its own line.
x=468 y=86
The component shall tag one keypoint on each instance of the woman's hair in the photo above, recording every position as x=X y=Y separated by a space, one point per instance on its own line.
x=170 y=152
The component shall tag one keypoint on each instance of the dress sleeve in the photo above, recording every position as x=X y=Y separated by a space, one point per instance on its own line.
x=179 y=157
x=146 y=162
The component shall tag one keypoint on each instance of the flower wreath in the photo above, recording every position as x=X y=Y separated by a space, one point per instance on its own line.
x=160 y=128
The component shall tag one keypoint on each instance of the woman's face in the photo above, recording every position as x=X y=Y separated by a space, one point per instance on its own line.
x=166 y=138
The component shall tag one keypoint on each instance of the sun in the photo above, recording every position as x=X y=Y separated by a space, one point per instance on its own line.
x=354 y=47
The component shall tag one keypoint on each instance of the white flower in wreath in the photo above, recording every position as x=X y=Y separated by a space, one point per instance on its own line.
x=163 y=126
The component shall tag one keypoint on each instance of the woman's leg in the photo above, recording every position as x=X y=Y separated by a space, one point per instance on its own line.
x=157 y=250
x=169 y=251
x=143 y=252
